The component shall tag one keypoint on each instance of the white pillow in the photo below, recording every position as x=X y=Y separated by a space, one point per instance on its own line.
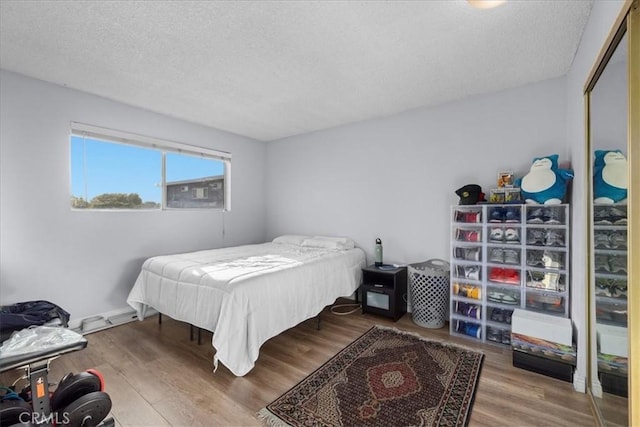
x=291 y=239
x=326 y=242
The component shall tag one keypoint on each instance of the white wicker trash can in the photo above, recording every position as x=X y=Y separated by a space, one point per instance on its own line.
x=429 y=293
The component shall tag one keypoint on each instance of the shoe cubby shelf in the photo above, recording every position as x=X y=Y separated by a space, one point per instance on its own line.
x=505 y=257
x=610 y=263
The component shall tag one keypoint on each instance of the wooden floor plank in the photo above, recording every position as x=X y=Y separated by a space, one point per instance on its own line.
x=129 y=408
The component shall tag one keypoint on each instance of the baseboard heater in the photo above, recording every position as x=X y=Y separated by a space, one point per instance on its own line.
x=97 y=323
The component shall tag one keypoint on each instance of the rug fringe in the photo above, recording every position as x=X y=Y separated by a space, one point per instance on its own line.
x=439 y=341
x=269 y=419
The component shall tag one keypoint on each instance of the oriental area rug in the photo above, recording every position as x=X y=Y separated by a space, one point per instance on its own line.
x=384 y=378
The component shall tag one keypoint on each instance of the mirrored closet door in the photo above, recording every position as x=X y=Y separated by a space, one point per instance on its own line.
x=608 y=131
x=612 y=148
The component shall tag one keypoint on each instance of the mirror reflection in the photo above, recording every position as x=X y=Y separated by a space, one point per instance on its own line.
x=608 y=139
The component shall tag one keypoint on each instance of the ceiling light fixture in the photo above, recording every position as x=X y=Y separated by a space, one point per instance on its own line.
x=486 y=4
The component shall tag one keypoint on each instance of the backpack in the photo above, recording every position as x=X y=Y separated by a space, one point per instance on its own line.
x=30 y=313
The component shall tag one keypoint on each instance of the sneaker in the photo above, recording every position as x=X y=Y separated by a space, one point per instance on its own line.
x=497 y=315
x=511 y=256
x=472 y=272
x=495 y=296
x=601 y=216
x=496 y=214
x=497 y=235
x=535 y=216
x=507 y=316
x=467 y=235
x=534 y=279
x=619 y=289
x=553 y=238
x=472 y=254
x=512 y=214
x=618 y=263
x=467 y=217
x=511 y=299
x=551 y=260
x=496 y=255
x=603 y=288
x=557 y=306
x=512 y=235
x=551 y=216
x=494 y=334
x=535 y=237
x=617 y=216
x=473 y=217
x=616 y=240
x=461 y=307
x=473 y=311
x=506 y=337
x=535 y=303
x=534 y=258
x=472 y=330
x=496 y=274
x=511 y=276
x=602 y=263
x=557 y=257
x=472 y=236
x=602 y=240
x=551 y=281
x=468 y=291
x=502 y=298
x=619 y=316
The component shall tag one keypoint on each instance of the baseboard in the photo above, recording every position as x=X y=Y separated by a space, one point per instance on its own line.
x=579 y=383
x=596 y=388
x=106 y=320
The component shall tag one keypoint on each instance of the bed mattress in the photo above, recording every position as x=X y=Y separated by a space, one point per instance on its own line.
x=246 y=294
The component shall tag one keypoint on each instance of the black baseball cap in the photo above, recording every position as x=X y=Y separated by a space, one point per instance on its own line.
x=470 y=194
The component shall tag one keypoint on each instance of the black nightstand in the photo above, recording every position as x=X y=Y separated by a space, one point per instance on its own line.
x=384 y=292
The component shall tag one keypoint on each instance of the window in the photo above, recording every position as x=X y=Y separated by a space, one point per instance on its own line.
x=114 y=170
x=200 y=193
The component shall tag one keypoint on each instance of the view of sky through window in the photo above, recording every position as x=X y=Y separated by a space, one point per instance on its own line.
x=98 y=168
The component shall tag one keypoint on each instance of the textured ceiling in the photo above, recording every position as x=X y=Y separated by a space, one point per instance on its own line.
x=271 y=69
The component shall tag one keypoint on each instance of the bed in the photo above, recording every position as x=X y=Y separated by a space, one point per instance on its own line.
x=248 y=294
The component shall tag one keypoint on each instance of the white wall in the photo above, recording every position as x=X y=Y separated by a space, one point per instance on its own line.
x=395 y=177
x=601 y=20
x=87 y=261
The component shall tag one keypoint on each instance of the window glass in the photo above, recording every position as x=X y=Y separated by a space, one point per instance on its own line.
x=108 y=175
x=194 y=181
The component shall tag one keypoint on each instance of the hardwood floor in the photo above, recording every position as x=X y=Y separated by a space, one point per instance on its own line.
x=156 y=376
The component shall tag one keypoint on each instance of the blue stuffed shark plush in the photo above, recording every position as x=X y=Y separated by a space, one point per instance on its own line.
x=609 y=176
x=545 y=183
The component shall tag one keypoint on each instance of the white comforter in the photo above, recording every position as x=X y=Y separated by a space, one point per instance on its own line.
x=246 y=294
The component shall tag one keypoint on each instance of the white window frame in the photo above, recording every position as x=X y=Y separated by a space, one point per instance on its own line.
x=164 y=146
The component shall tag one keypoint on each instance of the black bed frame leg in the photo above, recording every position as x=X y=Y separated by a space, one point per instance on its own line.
x=159 y=318
x=191 y=328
